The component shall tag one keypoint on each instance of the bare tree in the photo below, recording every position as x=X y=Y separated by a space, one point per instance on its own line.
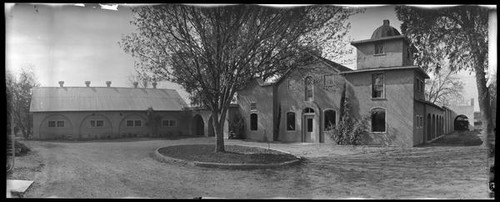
x=19 y=98
x=443 y=89
x=214 y=52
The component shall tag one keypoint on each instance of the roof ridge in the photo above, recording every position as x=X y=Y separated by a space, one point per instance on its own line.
x=101 y=87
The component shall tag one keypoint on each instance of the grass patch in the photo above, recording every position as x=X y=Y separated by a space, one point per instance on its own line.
x=233 y=154
x=460 y=138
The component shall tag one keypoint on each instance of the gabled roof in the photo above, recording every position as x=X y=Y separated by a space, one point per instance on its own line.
x=50 y=99
x=338 y=67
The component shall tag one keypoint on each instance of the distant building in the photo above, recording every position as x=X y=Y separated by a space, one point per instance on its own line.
x=107 y=112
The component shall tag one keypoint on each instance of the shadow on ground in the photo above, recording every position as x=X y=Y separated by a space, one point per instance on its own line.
x=458 y=138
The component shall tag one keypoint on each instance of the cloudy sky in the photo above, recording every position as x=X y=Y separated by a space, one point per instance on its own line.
x=75 y=44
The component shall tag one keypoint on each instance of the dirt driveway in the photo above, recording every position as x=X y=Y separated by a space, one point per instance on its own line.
x=123 y=168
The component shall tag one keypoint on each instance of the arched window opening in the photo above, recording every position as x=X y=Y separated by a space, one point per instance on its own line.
x=253 y=121
x=309 y=88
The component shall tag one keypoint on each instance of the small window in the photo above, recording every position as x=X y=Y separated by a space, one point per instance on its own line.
x=290 y=84
x=378 y=85
x=137 y=123
x=330 y=120
x=378 y=120
x=99 y=123
x=92 y=123
x=52 y=124
x=169 y=123
x=309 y=88
x=328 y=80
x=60 y=124
x=290 y=121
x=379 y=48
x=130 y=123
x=253 y=121
x=253 y=106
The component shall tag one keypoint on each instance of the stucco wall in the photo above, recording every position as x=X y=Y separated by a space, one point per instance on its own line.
x=398 y=103
x=291 y=98
x=467 y=110
x=263 y=97
x=392 y=56
x=77 y=125
x=419 y=128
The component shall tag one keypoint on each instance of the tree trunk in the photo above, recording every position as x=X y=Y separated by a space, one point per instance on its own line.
x=484 y=106
x=218 y=124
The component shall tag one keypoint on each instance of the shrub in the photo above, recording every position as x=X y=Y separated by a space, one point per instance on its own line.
x=350 y=130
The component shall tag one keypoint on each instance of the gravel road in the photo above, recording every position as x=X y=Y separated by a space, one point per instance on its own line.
x=124 y=168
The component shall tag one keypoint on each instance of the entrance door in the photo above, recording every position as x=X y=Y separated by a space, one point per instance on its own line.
x=308 y=128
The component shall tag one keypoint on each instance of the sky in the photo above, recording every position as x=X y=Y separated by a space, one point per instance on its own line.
x=76 y=44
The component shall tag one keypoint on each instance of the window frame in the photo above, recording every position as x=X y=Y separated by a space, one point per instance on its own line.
x=378 y=46
x=328 y=85
x=382 y=95
x=95 y=121
x=171 y=123
x=60 y=126
x=294 y=121
x=385 y=120
x=53 y=124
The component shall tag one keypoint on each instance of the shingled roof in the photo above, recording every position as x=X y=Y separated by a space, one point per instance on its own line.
x=50 y=99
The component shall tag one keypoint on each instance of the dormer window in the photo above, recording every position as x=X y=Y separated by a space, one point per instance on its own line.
x=379 y=48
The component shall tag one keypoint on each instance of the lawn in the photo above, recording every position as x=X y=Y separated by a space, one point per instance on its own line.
x=109 y=169
x=233 y=154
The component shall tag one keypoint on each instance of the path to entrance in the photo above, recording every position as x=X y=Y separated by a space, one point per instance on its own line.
x=122 y=168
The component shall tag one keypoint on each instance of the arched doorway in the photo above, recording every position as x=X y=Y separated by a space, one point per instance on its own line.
x=461 y=122
x=198 y=125
x=211 y=131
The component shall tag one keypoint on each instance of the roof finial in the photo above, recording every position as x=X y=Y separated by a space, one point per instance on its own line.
x=386 y=22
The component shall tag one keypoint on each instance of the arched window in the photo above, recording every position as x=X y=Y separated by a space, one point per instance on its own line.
x=378 y=120
x=253 y=121
x=330 y=119
x=309 y=88
x=290 y=121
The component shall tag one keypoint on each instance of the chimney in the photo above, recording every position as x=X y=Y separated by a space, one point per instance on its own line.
x=61 y=83
x=386 y=22
x=154 y=84
x=108 y=83
x=135 y=84
x=87 y=83
x=472 y=102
